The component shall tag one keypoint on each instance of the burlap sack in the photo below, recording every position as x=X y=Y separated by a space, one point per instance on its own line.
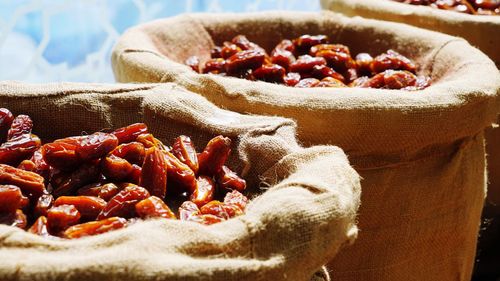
x=302 y=215
x=481 y=31
x=420 y=154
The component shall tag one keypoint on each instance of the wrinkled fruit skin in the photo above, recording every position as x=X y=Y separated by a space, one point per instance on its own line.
x=123 y=203
x=87 y=185
x=94 y=227
x=154 y=172
x=153 y=207
x=311 y=61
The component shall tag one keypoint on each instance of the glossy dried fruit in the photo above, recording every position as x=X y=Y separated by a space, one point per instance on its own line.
x=183 y=148
x=204 y=192
x=307 y=83
x=94 y=227
x=148 y=140
x=187 y=210
x=6 y=119
x=68 y=183
x=216 y=52
x=329 y=82
x=339 y=61
x=123 y=203
x=22 y=125
x=214 y=156
x=391 y=60
x=323 y=71
x=130 y=132
x=215 y=66
x=205 y=219
x=36 y=164
x=283 y=58
x=89 y=207
x=40 y=227
x=154 y=172
x=270 y=73
x=304 y=43
x=43 y=204
x=292 y=78
x=194 y=63
x=115 y=168
x=229 y=180
x=229 y=49
x=31 y=184
x=18 y=148
x=101 y=190
x=133 y=152
x=16 y=219
x=62 y=217
x=306 y=63
x=61 y=154
x=10 y=198
x=236 y=198
x=221 y=210
x=153 y=207
x=96 y=146
x=241 y=61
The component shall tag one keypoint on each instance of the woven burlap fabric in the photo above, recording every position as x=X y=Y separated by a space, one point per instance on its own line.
x=303 y=210
x=420 y=154
x=481 y=31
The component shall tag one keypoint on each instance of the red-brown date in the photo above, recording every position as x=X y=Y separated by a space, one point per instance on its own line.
x=11 y=198
x=306 y=63
x=291 y=79
x=215 y=66
x=89 y=207
x=214 y=155
x=154 y=172
x=21 y=125
x=130 y=132
x=229 y=180
x=68 y=183
x=204 y=192
x=16 y=219
x=323 y=71
x=153 y=207
x=270 y=73
x=229 y=50
x=241 y=61
x=329 y=82
x=31 y=184
x=391 y=60
x=183 y=148
x=236 y=198
x=61 y=217
x=61 y=154
x=194 y=63
x=6 y=119
x=307 y=83
x=40 y=227
x=123 y=203
x=187 y=210
x=180 y=173
x=94 y=227
x=43 y=204
x=304 y=43
x=221 y=210
x=19 y=148
x=96 y=146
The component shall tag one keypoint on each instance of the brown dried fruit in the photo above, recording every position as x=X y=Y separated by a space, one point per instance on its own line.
x=183 y=148
x=154 y=172
x=204 y=192
x=130 y=132
x=153 y=207
x=31 y=184
x=94 y=227
x=89 y=207
x=62 y=217
x=123 y=203
x=214 y=155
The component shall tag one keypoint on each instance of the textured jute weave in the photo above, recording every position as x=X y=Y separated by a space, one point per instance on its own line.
x=420 y=154
x=303 y=209
x=481 y=31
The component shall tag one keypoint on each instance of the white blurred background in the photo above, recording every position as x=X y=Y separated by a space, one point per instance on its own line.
x=71 y=40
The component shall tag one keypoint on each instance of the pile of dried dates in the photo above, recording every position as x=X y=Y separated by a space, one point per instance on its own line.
x=311 y=61
x=473 y=7
x=86 y=185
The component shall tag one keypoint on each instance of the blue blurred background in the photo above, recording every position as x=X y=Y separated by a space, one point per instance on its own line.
x=71 y=40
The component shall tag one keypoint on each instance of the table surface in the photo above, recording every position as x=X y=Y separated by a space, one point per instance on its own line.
x=71 y=40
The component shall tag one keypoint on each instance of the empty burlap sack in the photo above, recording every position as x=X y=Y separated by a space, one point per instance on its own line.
x=481 y=31
x=301 y=217
x=420 y=154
